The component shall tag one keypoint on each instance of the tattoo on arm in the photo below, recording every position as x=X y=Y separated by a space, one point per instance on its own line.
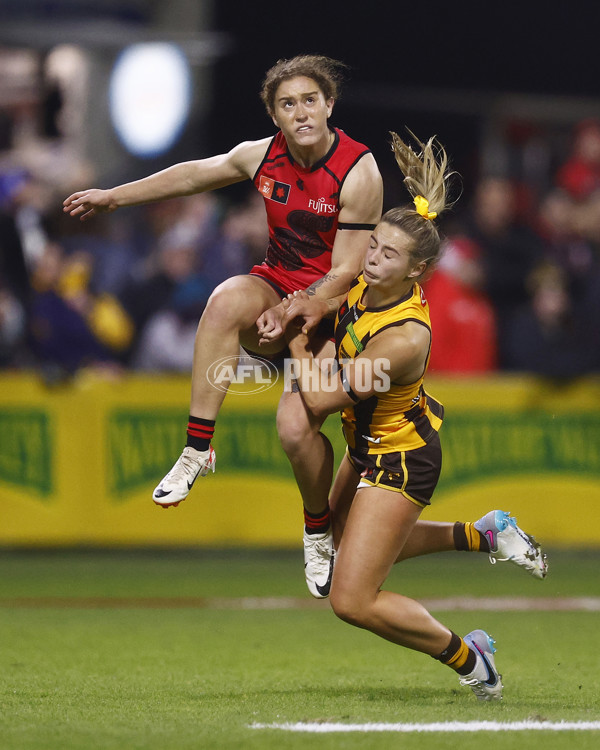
x=312 y=289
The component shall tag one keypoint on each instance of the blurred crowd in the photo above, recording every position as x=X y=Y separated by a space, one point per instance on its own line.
x=123 y=291
x=517 y=288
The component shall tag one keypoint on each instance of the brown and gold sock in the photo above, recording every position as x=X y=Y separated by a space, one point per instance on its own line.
x=468 y=539
x=458 y=656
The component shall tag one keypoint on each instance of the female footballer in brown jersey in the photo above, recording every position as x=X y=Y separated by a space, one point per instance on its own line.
x=391 y=424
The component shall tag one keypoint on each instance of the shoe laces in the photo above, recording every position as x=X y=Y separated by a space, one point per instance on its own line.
x=185 y=466
x=319 y=553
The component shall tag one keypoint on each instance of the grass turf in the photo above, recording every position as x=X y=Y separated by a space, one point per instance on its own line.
x=197 y=678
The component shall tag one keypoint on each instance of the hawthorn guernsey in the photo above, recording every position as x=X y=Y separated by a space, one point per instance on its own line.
x=302 y=207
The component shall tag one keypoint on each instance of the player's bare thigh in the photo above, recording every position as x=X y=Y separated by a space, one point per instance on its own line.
x=378 y=525
x=341 y=496
x=238 y=303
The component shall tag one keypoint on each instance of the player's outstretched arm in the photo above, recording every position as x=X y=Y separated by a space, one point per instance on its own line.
x=185 y=178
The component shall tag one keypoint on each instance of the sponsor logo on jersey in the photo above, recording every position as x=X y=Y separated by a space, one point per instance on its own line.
x=355 y=340
x=275 y=191
x=321 y=207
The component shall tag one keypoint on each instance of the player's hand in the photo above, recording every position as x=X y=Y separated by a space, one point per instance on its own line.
x=309 y=310
x=269 y=325
x=88 y=203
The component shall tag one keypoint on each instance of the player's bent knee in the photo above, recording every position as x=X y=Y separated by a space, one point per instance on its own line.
x=220 y=312
x=293 y=433
x=349 y=609
x=293 y=426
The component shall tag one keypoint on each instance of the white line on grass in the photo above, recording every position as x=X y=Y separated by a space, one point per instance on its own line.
x=450 y=604
x=441 y=726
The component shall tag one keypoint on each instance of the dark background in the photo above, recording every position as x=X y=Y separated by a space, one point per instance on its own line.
x=437 y=68
x=455 y=57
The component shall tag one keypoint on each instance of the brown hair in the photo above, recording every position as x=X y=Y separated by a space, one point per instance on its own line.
x=426 y=174
x=328 y=73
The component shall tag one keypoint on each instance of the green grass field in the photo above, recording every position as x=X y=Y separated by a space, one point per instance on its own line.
x=126 y=650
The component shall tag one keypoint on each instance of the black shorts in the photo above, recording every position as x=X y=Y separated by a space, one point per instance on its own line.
x=414 y=473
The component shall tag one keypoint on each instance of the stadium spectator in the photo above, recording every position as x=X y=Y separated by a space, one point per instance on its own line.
x=117 y=249
x=508 y=248
x=174 y=263
x=548 y=335
x=563 y=225
x=68 y=329
x=580 y=173
x=222 y=249
x=241 y=241
x=587 y=297
x=13 y=328
x=166 y=343
x=461 y=314
x=16 y=243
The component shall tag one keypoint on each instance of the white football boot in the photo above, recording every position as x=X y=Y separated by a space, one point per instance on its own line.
x=319 y=557
x=508 y=542
x=179 y=481
x=484 y=680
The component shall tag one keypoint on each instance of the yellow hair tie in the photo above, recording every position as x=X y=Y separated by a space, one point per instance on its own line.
x=422 y=206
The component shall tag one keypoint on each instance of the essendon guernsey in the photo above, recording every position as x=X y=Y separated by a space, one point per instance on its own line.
x=302 y=210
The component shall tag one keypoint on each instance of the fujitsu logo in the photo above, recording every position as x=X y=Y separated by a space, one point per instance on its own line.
x=321 y=207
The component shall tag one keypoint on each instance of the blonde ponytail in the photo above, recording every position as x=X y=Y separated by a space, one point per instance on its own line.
x=426 y=173
x=427 y=178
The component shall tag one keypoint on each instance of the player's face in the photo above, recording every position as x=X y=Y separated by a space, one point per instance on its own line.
x=389 y=266
x=301 y=111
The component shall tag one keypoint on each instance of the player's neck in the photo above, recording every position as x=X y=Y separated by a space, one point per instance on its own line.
x=307 y=156
x=374 y=297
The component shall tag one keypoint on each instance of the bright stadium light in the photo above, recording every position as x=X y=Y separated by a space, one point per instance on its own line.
x=149 y=97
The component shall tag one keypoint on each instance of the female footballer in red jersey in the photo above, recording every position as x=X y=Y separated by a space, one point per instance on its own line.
x=323 y=195
x=393 y=459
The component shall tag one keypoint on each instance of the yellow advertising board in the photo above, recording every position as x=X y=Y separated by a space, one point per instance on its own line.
x=78 y=462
